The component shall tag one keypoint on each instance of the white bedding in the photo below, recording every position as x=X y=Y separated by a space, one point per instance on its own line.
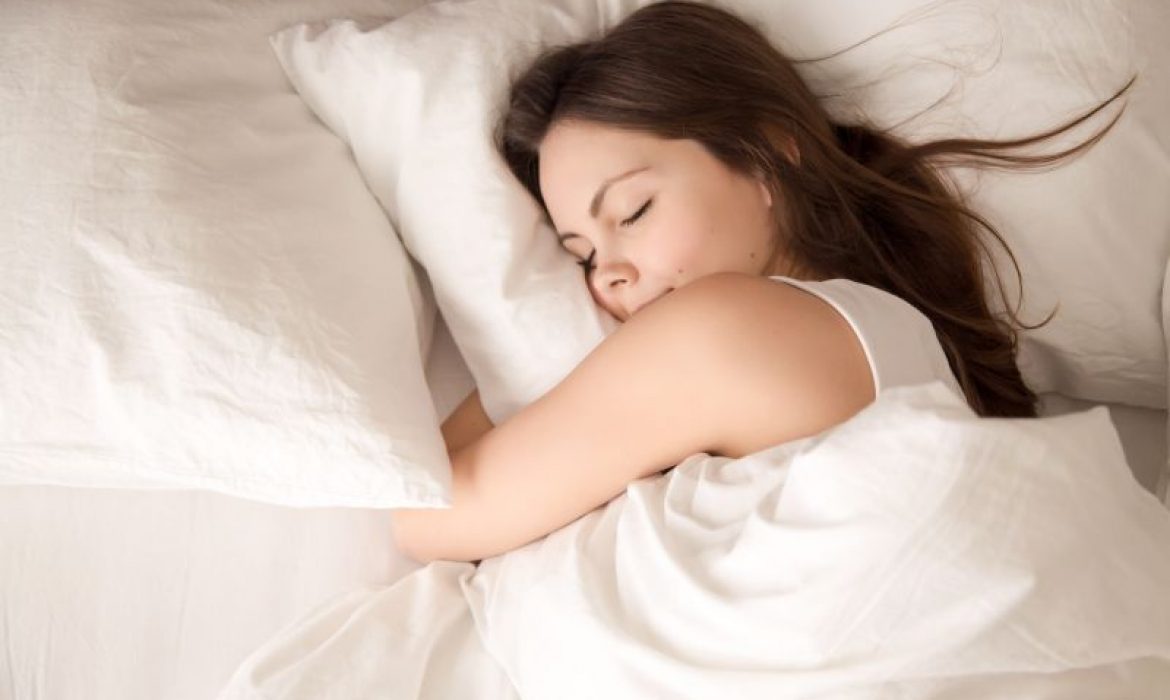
x=197 y=291
x=109 y=594
x=132 y=595
x=140 y=595
x=916 y=551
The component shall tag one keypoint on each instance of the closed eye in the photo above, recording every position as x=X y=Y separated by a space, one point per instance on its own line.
x=638 y=214
x=587 y=263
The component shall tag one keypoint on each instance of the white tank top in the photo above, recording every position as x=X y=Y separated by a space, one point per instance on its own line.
x=899 y=340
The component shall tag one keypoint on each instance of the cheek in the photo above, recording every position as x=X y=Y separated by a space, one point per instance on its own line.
x=746 y=228
x=684 y=243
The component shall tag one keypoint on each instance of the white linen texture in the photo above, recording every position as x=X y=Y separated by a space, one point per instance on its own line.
x=417 y=100
x=198 y=291
x=916 y=551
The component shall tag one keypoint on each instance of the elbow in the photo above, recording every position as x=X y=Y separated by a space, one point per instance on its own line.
x=407 y=537
x=425 y=556
x=414 y=553
x=417 y=537
x=460 y=532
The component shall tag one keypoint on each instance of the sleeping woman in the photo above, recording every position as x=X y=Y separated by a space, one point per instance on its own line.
x=773 y=271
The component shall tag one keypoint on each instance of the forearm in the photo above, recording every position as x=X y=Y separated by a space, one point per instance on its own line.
x=466 y=424
x=426 y=534
x=430 y=533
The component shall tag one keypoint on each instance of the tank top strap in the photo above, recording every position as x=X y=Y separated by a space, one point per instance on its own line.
x=899 y=340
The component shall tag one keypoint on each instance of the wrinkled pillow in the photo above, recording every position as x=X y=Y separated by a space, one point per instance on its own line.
x=417 y=100
x=198 y=290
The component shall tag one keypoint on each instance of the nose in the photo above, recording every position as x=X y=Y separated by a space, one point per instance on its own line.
x=614 y=282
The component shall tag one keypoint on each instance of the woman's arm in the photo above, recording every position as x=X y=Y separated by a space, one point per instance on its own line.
x=466 y=424
x=728 y=364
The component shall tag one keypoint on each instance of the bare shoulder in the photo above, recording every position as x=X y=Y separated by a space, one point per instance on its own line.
x=780 y=361
x=725 y=365
x=736 y=294
x=748 y=306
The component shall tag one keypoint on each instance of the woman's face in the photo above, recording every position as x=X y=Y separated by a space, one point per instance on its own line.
x=654 y=213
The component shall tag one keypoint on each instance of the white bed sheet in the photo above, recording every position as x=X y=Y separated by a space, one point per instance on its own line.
x=914 y=552
x=146 y=595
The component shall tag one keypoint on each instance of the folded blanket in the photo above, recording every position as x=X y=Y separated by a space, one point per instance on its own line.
x=915 y=551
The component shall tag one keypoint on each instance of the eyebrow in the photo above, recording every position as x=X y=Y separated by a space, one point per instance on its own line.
x=595 y=205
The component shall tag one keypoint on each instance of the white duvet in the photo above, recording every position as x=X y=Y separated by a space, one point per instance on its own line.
x=915 y=551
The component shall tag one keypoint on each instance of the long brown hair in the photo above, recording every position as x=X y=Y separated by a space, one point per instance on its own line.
x=859 y=203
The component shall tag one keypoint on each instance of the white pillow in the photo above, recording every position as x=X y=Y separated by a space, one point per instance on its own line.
x=418 y=98
x=198 y=290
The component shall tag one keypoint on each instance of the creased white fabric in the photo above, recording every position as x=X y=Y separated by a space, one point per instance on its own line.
x=119 y=594
x=915 y=551
x=413 y=639
x=197 y=291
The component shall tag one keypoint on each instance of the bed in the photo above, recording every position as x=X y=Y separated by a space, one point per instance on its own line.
x=163 y=591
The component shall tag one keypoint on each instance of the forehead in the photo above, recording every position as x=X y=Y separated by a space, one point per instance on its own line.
x=576 y=157
x=578 y=138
